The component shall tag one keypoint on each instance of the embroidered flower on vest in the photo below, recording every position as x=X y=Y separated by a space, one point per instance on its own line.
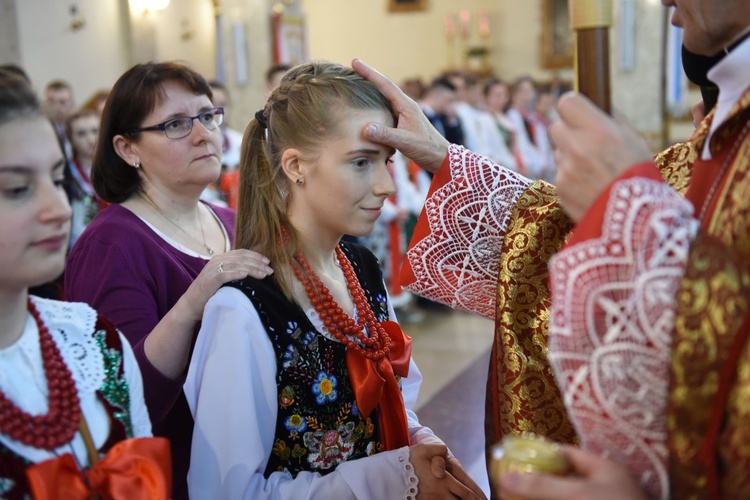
x=325 y=388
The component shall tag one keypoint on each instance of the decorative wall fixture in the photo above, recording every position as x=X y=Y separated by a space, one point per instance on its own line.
x=557 y=37
x=77 y=21
x=149 y=5
x=288 y=31
x=460 y=35
x=406 y=5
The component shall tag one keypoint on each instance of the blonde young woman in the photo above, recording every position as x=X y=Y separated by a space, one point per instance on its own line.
x=302 y=385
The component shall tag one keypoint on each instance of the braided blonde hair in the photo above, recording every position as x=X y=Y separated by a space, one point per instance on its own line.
x=301 y=113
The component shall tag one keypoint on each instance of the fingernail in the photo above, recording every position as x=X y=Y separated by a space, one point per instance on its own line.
x=373 y=130
x=269 y=270
x=266 y=260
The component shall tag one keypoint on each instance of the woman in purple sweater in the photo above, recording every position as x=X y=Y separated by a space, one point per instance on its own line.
x=151 y=260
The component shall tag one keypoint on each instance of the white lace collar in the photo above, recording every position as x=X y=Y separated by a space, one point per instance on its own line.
x=23 y=379
x=71 y=325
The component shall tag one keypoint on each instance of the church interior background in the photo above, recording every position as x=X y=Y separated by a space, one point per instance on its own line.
x=89 y=43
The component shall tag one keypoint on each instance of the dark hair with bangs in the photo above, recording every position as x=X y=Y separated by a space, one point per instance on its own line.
x=134 y=96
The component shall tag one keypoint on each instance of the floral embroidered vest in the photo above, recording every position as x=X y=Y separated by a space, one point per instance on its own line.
x=113 y=394
x=318 y=425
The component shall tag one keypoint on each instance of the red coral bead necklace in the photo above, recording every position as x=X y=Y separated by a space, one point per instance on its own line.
x=58 y=426
x=338 y=323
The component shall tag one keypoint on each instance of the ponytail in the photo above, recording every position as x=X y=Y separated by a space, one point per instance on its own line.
x=262 y=205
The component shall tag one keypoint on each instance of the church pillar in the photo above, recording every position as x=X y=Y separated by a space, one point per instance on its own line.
x=10 y=51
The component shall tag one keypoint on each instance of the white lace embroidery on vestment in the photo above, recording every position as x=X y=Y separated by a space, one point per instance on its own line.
x=71 y=325
x=458 y=262
x=612 y=317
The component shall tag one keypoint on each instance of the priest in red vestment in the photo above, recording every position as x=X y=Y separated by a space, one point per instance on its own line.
x=631 y=340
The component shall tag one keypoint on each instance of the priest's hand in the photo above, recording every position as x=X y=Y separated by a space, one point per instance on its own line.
x=414 y=135
x=593 y=478
x=591 y=151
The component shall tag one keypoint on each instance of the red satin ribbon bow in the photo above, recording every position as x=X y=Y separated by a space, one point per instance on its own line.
x=138 y=468
x=374 y=384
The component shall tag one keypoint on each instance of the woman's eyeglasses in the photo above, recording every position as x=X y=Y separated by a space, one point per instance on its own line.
x=177 y=128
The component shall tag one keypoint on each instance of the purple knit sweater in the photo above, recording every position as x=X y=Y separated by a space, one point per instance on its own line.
x=131 y=276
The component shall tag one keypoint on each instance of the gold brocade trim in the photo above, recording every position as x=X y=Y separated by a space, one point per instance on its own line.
x=742 y=104
x=676 y=162
x=675 y=165
x=735 y=120
x=522 y=393
x=726 y=293
x=712 y=303
x=729 y=221
x=734 y=444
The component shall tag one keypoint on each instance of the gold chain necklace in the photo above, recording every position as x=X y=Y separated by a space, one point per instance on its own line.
x=163 y=215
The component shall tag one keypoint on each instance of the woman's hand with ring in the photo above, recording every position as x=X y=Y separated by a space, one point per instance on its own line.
x=232 y=265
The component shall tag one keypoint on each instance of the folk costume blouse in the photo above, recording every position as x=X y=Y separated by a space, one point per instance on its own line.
x=106 y=375
x=259 y=436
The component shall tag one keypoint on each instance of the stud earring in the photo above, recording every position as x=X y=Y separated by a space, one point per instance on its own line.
x=298 y=182
x=136 y=165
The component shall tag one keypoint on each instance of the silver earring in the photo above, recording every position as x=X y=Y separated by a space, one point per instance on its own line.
x=298 y=182
x=136 y=165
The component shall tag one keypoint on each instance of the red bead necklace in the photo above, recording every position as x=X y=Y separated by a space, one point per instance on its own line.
x=60 y=424
x=341 y=326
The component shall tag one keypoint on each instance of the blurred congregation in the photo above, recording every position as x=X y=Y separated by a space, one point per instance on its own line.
x=506 y=122
x=504 y=117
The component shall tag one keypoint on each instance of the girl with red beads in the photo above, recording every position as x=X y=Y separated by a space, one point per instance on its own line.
x=71 y=396
x=302 y=384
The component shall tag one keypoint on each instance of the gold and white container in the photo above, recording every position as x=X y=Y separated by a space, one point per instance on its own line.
x=525 y=454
